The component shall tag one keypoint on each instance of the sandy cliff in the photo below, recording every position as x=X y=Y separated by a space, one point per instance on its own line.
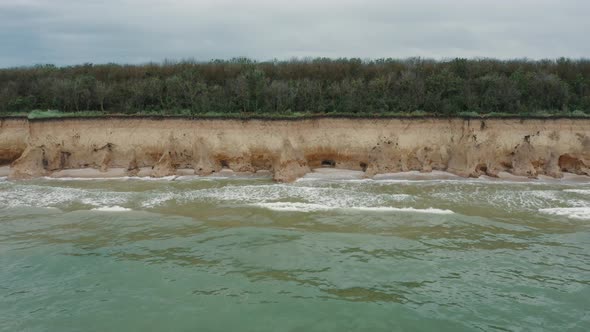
x=291 y=148
x=13 y=139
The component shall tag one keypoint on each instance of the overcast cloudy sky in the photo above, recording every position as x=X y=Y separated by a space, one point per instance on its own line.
x=134 y=31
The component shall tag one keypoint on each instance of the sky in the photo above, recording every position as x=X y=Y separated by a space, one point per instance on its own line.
x=67 y=32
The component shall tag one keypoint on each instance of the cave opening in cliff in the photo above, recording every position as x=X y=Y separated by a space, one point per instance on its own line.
x=363 y=166
x=482 y=168
x=568 y=163
x=328 y=163
x=224 y=164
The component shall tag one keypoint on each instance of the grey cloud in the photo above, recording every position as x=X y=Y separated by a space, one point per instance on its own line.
x=133 y=31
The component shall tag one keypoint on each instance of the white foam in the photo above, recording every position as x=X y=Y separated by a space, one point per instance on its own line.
x=149 y=178
x=311 y=207
x=159 y=199
x=298 y=207
x=47 y=196
x=546 y=195
x=114 y=208
x=578 y=191
x=571 y=212
x=407 y=209
x=333 y=197
x=506 y=198
x=187 y=177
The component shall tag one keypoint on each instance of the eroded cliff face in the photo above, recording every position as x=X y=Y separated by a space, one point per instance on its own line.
x=13 y=139
x=289 y=149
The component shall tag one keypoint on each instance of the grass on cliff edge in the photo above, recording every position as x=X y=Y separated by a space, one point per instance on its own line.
x=54 y=114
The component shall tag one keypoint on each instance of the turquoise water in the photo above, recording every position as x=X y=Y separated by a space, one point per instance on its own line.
x=316 y=255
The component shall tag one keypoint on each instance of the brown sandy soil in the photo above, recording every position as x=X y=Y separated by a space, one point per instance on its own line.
x=291 y=148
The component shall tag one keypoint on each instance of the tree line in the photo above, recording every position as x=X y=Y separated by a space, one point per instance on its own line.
x=316 y=86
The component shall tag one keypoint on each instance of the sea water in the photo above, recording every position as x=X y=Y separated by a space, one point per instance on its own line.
x=321 y=254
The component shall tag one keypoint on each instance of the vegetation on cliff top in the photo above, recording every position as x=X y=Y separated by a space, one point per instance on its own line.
x=286 y=89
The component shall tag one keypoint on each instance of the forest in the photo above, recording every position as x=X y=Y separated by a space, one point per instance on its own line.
x=300 y=87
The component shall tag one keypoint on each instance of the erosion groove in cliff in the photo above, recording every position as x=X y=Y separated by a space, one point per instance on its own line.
x=289 y=149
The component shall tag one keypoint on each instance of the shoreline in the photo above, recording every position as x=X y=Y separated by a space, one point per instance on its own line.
x=319 y=174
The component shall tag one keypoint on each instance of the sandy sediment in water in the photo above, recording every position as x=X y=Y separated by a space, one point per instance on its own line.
x=291 y=148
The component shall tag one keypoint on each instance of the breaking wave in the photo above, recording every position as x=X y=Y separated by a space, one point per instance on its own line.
x=114 y=208
x=578 y=191
x=403 y=209
x=253 y=194
x=310 y=207
x=305 y=196
x=50 y=196
x=582 y=213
